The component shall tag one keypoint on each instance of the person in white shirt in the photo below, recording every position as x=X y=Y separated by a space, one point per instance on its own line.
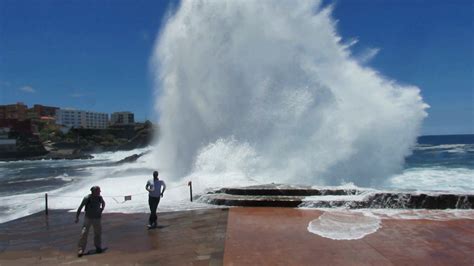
x=155 y=188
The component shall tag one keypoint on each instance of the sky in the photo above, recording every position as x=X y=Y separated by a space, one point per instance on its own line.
x=95 y=55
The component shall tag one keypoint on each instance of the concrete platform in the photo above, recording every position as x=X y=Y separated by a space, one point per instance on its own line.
x=183 y=238
x=279 y=236
x=235 y=236
x=279 y=195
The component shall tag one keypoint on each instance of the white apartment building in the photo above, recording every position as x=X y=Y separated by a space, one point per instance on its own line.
x=81 y=119
x=122 y=118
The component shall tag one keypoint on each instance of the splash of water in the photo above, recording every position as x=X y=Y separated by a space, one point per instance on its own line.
x=344 y=225
x=267 y=91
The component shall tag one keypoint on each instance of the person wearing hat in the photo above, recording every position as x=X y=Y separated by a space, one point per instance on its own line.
x=95 y=205
x=155 y=188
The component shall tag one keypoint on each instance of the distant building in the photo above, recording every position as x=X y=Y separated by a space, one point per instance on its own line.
x=42 y=110
x=81 y=119
x=16 y=111
x=122 y=118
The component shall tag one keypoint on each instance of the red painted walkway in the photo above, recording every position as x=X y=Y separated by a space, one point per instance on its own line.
x=279 y=236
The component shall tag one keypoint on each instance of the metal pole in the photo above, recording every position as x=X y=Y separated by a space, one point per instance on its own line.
x=190 y=184
x=46 y=204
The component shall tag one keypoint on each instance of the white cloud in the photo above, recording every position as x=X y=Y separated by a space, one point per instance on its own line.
x=27 y=89
x=368 y=55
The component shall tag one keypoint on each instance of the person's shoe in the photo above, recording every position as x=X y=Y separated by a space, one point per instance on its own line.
x=99 y=250
x=80 y=253
x=151 y=226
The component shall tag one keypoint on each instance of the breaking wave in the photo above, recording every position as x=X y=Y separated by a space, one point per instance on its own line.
x=265 y=90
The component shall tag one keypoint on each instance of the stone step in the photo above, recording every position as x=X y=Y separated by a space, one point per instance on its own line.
x=327 y=198
x=285 y=190
x=251 y=201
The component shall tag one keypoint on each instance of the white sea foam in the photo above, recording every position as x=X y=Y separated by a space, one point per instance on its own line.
x=418 y=214
x=359 y=197
x=129 y=179
x=17 y=206
x=63 y=177
x=457 y=180
x=26 y=181
x=450 y=148
x=344 y=225
x=440 y=147
x=114 y=189
x=116 y=182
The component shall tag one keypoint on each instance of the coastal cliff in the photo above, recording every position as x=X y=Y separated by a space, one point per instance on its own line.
x=79 y=143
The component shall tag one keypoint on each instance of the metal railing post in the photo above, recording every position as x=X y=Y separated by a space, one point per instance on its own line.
x=190 y=184
x=46 y=203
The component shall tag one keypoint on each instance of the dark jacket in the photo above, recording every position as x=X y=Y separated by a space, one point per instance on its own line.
x=94 y=206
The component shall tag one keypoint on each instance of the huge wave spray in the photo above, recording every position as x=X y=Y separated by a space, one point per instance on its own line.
x=267 y=91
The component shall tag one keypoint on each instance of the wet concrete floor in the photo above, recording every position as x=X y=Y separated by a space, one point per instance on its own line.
x=235 y=236
x=182 y=238
x=279 y=236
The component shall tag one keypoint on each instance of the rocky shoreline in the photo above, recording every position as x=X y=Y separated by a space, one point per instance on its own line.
x=81 y=143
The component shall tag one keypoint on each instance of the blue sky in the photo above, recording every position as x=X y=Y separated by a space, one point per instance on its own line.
x=94 y=55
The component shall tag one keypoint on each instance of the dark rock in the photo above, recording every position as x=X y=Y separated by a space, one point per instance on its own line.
x=131 y=158
x=114 y=138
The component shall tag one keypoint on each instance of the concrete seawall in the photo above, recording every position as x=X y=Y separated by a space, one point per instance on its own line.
x=274 y=195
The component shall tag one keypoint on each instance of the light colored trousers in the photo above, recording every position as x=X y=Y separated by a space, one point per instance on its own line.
x=85 y=231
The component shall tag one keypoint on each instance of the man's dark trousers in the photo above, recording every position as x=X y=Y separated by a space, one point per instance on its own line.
x=153 y=203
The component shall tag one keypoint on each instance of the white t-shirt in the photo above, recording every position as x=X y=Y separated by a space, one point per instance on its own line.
x=156 y=186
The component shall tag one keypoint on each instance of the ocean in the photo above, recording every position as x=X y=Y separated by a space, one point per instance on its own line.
x=437 y=164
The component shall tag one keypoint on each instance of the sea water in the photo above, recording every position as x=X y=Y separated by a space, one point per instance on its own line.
x=435 y=167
